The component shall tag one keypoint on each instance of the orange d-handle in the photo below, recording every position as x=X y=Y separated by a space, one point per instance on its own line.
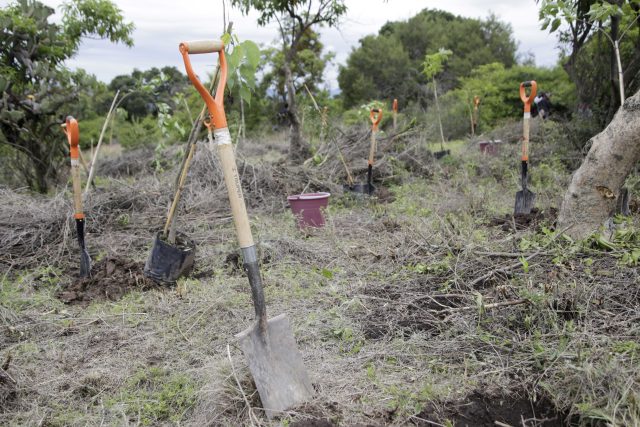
x=214 y=105
x=71 y=129
x=395 y=105
x=375 y=115
x=523 y=94
x=527 y=115
x=476 y=101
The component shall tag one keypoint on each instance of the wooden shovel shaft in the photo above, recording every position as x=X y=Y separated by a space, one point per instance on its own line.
x=525 y=136
x=180 y=186
x=344 y=163
x=77 y=189
x=395 y=113
x=232 y=181
x=372 y=148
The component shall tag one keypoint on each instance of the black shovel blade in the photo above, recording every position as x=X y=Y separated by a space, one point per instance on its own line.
x=525 y=200
x=167 y=262
x=363 y=188
x=276 y=365
x=85 y=263
x=85 y=259
x=441 y=154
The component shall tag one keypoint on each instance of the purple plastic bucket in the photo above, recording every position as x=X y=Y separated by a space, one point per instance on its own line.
x=307 y=208
x=490 y=147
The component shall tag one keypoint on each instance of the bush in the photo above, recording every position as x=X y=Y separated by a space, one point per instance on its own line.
x=138 y=133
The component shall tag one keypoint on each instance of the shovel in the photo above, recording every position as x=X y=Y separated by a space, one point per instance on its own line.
x=72 y=131
x=525 y=198
x=395 y=113
x=173 y=256
x=169 y=260
x=375 y=115
x=474 y=116
x=368 y=187
x=268 y=345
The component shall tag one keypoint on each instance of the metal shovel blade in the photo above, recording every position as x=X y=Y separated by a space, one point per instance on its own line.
x=85 y=259
x=525 y=200
x=276 y=366
x=441 y=154
x=85 y=263
x=363 y=188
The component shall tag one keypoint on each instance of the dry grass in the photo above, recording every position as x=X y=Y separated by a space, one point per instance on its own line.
x=405 y=312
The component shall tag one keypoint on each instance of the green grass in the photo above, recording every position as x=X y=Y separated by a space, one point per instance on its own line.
x=155 y=395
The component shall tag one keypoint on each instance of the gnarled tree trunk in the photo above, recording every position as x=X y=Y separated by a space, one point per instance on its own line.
x=591 y=198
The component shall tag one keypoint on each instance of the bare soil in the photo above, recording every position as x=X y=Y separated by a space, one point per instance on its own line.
x=111 y=278
x=523 y=221
x=482 y=410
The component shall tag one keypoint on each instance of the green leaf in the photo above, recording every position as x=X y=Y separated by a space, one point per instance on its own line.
x=226 y=39
x=16 y=115
x=252 y=53
x=245 y=93
x=247 y=72
x=555 y=24
x=234 y=59
x=231 y=80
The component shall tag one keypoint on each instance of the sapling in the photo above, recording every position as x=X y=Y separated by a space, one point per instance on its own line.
x=433 y=65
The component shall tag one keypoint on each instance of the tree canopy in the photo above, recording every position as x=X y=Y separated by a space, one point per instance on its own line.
x=35 y=84
x=295 y=19
x=589 y=30
x=389 y=65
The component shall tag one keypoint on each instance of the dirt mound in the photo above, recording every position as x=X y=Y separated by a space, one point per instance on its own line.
x=524 y=221
x=312 y=423
x=111 y=278
x=481 y=409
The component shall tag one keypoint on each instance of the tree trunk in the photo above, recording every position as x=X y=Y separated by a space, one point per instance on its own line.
x=591 y=198
x=298 y=149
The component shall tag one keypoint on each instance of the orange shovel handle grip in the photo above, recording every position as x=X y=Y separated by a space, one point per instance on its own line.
x=375 y=115
x=72 y=131
x=395 y=105
x=215 y=105
x=523 y=94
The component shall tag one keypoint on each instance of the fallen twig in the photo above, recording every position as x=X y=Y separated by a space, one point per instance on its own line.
x=485 y=306
x=252 y=416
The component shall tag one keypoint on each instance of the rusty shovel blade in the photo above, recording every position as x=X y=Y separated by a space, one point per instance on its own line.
x=276 y=365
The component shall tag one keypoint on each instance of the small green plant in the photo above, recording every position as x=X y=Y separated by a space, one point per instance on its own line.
x=438 y=268
x=123 y=219
x=155 y=395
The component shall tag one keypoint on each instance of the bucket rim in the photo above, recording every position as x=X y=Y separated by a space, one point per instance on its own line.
x=309 y=196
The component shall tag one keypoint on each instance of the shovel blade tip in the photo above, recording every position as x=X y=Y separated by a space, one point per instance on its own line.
x=525 y=201
x=276 y=365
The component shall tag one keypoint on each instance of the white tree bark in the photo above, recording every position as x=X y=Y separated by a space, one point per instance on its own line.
x=591 y=198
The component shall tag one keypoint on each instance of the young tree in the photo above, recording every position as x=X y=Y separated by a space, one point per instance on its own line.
x=307 y=70
x=295 y=18
x=37 y=90
x=591 y=198
x=433 y=65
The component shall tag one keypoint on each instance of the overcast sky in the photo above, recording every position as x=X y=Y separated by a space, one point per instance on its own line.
x=162 y=24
